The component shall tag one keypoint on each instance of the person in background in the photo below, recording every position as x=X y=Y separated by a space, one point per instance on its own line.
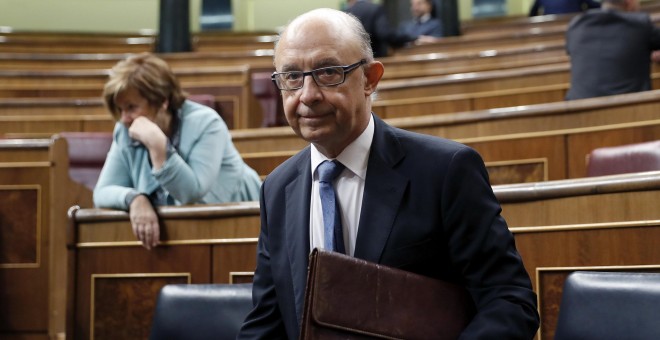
x=406 y=200
x=423 y=22
x=374 y=19
x=611 y=50
x=545 y=7
x=166 y=150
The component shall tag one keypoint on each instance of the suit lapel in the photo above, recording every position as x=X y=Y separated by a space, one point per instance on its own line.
x=383 y=192
x=297 y=195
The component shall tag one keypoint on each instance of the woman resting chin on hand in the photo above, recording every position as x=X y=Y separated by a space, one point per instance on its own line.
x=166 y=149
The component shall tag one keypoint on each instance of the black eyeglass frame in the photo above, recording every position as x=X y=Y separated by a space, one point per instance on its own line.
x=346 y=70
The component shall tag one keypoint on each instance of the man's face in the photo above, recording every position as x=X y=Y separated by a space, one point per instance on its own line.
x=419 y=7
x=329 y=117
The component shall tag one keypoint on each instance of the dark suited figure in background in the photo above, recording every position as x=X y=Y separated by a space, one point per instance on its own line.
x=545 y=7
x=610 y=50
x=406 y=200
x=423 y=22
x=383 y=35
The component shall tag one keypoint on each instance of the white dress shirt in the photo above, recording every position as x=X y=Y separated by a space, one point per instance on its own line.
x=349 y=186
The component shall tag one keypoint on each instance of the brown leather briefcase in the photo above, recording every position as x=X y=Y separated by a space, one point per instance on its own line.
x=349 y=298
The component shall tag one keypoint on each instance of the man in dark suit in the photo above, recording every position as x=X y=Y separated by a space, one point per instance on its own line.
x=382 y=34
x=610 y=50
x=546 y=7
x=423 y=22
x=410 y=201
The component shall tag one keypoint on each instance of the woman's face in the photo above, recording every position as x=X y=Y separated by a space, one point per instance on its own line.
x=132 y=105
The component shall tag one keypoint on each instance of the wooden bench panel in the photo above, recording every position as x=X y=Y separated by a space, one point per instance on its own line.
x=602 y=247
x=518 y=158
x=601 y=223
x=209 y=42
x=497 y=38
x=232 y=101
x=35 y=193
x=421 y=65
x=47 y=125
x=481 y=25
x=201 y=244
x=98 y=77
x=528 y=155
x=230 y=85
x=24 y=259
x=534 y=118
x=583 y=143
x=475 y=82
x=410 y=107
x=64 y=44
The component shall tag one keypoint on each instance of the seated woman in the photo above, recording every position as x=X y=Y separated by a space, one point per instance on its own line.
x=166 y=150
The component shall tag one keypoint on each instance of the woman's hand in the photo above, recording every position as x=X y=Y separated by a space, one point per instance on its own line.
x=144 y=221
x=154 y=139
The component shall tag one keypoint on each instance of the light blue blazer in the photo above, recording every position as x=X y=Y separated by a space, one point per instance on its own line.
x=206 y=168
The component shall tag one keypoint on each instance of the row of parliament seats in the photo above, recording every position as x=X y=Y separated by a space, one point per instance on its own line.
x=104 y=253
x=87 y=153
x=396 y=98
x=614 y=121
x=496 y=134
x=622 y=304
x=271 y=118
x=35 y=193
x=397 y=67
x=551 y=29
x=560 y=227
x=231 y=87
x=205 y=244
x=546 y=141
x=84 y=84
x=523 y=34
x=17 y=42
x=480 y=25
x=631 y=118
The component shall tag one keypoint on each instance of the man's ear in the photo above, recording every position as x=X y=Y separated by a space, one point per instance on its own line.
x=373 y=73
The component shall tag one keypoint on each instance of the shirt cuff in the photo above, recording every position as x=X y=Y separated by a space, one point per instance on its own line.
x=130 y=197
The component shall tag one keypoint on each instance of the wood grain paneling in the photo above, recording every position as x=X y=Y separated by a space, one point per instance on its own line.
x=35 y=193
x=519 y=171
x=209 y=242
x=20 y=227
x=114 y=311
x=25 y=239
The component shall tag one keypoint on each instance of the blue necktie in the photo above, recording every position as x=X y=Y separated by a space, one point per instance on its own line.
x=332 y=231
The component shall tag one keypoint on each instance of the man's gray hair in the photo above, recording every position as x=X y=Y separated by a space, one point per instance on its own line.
x=338 y=18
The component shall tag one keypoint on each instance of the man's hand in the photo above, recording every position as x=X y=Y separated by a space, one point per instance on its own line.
x=655 y=56
x=426 y=39
x=144 y=222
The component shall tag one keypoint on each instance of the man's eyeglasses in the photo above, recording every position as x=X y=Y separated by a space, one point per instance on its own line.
x=324 y=76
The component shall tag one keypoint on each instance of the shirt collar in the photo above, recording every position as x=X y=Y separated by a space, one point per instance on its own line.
x=354 y=157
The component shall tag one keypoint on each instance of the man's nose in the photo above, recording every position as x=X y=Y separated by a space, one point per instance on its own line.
x=310 y=92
